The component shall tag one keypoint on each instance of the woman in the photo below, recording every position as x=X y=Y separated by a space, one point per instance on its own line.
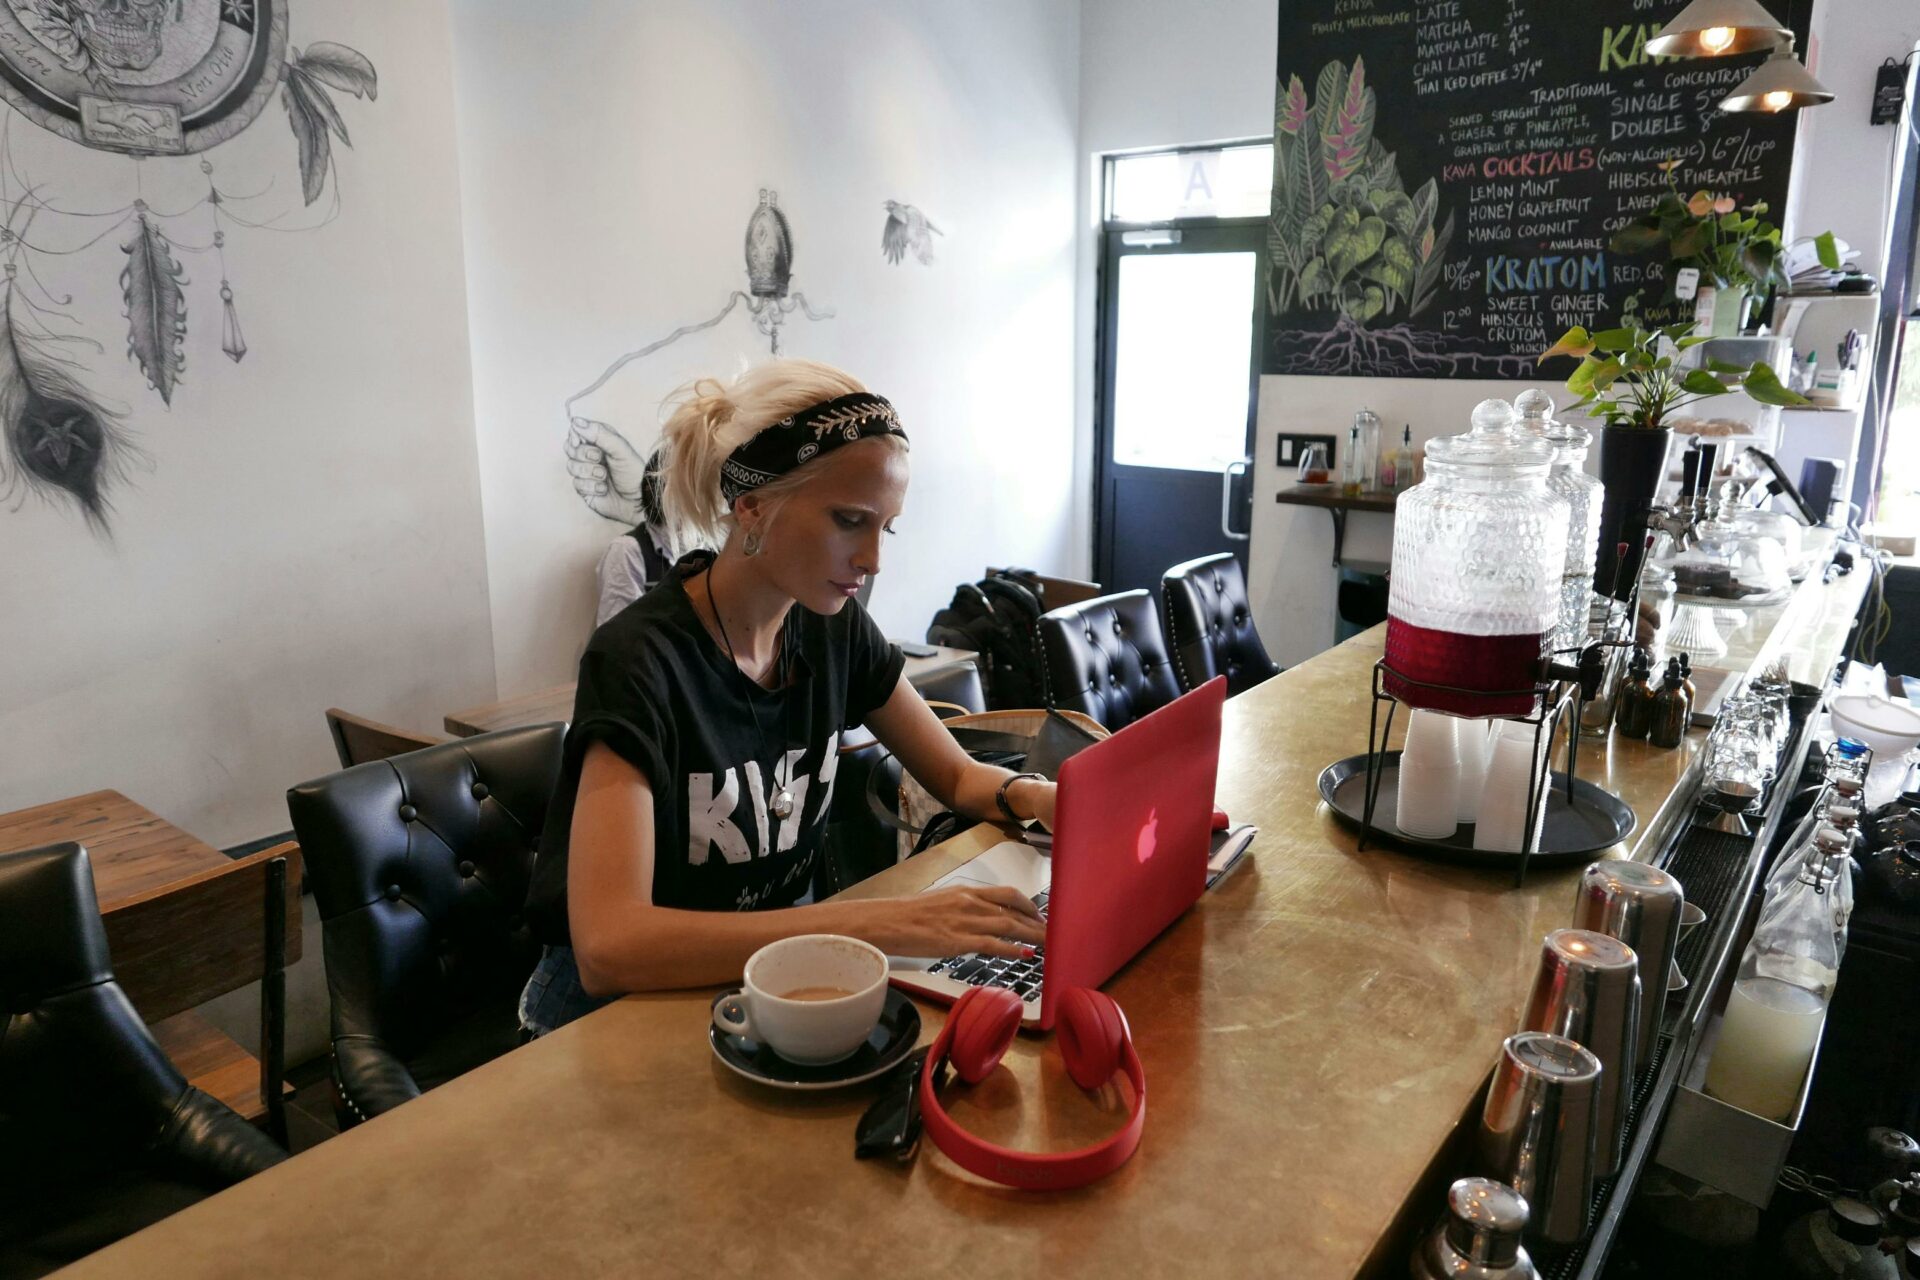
x=699 y=769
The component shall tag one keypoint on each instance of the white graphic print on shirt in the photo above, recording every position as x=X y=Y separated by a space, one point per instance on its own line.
x=710 y=814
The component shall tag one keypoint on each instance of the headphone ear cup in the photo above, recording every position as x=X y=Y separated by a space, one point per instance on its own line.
x=1092 y=1031
x=985 y=1020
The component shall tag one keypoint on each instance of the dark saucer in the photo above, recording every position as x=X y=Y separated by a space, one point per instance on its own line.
x=893 y=1038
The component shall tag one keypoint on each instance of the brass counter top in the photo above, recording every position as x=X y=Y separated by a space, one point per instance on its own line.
x=1314 y=1032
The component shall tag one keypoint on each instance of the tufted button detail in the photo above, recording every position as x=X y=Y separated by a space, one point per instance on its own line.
x=393 y=893
x=479 y=791
x=1116 y=626
x=466 y=870
x=408 y=813
x=1089 y=631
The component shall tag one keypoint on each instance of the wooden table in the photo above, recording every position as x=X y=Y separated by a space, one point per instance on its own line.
x=1315 y=1033
x=138 y=858
x=1337 y=504
x=548 y=705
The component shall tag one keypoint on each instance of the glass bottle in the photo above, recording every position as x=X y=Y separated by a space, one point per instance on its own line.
x=1366 y=424
x=1583 y=493
x=1478 y=549
x=1404 y=464
x=1778 y=1002
x=1353 y=467
x=1671 y=708
x=1634 y=715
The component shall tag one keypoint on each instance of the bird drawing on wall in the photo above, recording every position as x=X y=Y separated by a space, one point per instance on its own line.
x=907 y=228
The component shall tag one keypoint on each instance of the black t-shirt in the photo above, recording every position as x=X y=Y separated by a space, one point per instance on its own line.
x=657 y=689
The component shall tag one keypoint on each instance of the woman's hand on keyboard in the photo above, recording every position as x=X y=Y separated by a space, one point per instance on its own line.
x=994 y=920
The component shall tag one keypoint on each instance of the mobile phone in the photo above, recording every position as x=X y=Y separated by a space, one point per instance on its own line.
x=914 y=649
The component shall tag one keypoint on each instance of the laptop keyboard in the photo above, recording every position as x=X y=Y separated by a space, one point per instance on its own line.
x=1022 y=977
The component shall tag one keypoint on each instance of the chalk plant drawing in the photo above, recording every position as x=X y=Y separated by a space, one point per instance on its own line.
x=1347 y=243
x=907 y=228
x=605 y=466
x=156 y=81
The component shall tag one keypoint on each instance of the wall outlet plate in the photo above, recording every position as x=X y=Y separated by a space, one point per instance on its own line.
x=1291 y=447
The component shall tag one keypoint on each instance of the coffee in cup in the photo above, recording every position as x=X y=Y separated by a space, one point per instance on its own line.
x=813 y=999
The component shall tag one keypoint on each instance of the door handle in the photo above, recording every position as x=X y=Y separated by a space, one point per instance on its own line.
x=1226 y=498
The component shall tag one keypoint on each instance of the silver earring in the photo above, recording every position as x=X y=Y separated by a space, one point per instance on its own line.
x=751 y=544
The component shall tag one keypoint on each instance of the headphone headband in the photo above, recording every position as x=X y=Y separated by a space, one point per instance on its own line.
x=979 y=1031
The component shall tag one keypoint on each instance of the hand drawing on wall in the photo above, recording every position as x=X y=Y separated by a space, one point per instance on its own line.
x=1348 y=247
x=156 y=81
x=605 y=466
x=907 y=228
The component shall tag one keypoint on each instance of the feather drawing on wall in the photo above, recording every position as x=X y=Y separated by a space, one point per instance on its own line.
x=907 y=228
x=606 y=467
x=156 y=81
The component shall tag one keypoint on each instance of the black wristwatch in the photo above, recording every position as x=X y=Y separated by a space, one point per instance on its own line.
x=1000 y=796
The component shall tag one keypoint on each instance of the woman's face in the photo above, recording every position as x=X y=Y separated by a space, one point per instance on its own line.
x=824 y=541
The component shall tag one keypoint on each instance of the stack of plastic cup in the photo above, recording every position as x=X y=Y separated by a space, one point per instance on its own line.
x=1474 y=744
x=1516 y=771
x=1429 y=795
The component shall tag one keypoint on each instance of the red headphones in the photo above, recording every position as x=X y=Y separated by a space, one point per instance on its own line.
x=1094 y=1042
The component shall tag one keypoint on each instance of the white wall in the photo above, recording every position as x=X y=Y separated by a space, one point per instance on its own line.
x=309 y=533
x=611 y=155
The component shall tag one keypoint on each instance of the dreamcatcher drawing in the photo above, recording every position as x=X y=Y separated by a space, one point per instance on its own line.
x=157 y=81
x=605 y=465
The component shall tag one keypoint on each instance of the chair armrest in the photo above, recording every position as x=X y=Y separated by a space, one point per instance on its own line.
x=208 y=1142
x=372 y=1081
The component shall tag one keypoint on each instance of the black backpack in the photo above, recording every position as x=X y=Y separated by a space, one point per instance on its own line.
x=998 y=618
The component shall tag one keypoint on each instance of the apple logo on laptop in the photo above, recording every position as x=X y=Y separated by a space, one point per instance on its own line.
x=1143 y=847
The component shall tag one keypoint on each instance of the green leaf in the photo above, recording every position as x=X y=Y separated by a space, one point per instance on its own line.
x=1829 y=252
x=1690 y=242
x=1726 y=366
x=1613 y=339
x=1692 y=340
x=1605 y=374
x=1702 y=383
x=1764 y=385
x=1635 y=238
x=1574 y=342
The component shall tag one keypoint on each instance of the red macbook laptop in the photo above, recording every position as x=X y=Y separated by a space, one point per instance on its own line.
x=1132 y=829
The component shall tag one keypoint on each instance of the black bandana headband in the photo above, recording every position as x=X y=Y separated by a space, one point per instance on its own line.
x=816 y=429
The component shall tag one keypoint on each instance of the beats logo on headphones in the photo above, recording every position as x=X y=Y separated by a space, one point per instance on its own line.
x=1149 y=837
x=1095 y=1043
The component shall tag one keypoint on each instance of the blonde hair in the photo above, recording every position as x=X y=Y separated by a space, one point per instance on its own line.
x=709 y=420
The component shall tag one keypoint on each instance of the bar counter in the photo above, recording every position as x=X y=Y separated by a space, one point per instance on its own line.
x=1316 y=1035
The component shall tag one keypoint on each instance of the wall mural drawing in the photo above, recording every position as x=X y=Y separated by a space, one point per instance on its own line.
x=605 y=465
x=156 y=81
x=907 y=228
x=1349 y=248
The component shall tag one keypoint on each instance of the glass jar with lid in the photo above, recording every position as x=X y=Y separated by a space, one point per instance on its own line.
x=1583 y=493
x=1479 y=553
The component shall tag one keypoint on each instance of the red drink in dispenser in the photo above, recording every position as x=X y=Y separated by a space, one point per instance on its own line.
x=1491 y=663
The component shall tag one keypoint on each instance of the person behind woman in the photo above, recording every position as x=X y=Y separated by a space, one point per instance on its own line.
x=638 y=560
x=700 y=764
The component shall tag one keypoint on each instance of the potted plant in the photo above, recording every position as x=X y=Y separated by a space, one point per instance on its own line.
x=1735 y=250
x=1631 y=379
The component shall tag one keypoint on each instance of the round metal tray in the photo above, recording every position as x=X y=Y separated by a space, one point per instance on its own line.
x=1574 y=832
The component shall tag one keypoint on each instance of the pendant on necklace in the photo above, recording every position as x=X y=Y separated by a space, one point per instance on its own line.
x=783 y=804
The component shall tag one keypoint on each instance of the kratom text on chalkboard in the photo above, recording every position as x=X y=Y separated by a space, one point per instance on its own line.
x=1447 y=175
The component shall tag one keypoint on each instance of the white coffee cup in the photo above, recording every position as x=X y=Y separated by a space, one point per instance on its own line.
x=809 y=1030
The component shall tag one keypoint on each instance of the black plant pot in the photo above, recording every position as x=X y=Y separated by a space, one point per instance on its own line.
x=1633 y=462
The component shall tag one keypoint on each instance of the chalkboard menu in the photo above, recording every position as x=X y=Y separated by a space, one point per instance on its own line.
x=1447 y=175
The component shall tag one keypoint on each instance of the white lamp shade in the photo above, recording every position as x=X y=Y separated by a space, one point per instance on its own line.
x=1778 y=84
x=1719 y=29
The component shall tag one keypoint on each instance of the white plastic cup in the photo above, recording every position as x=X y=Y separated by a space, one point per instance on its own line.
x=1512 y=768
x=1429 y=792
x=1474 y=745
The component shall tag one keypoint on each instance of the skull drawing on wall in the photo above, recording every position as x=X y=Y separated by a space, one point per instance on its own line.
x=124 y=34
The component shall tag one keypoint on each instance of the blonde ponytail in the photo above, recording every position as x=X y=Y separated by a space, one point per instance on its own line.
x=709 y=420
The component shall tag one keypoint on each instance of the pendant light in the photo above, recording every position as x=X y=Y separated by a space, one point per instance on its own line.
x=1719 y=29
x=1778 y=84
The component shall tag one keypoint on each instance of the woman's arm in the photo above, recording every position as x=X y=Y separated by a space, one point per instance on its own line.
x=906 y=725
x=623 y=942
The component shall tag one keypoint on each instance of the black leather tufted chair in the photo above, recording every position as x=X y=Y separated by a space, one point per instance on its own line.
x=1107 y=658
x=99 y=1134
x=1211 y=626
x=419 y=866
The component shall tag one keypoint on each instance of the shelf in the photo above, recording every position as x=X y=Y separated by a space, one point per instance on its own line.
x=1337 y=505
x=1368 y=500
x=1819 y=408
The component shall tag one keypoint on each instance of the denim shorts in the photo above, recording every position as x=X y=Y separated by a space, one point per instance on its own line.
x=554 y=996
